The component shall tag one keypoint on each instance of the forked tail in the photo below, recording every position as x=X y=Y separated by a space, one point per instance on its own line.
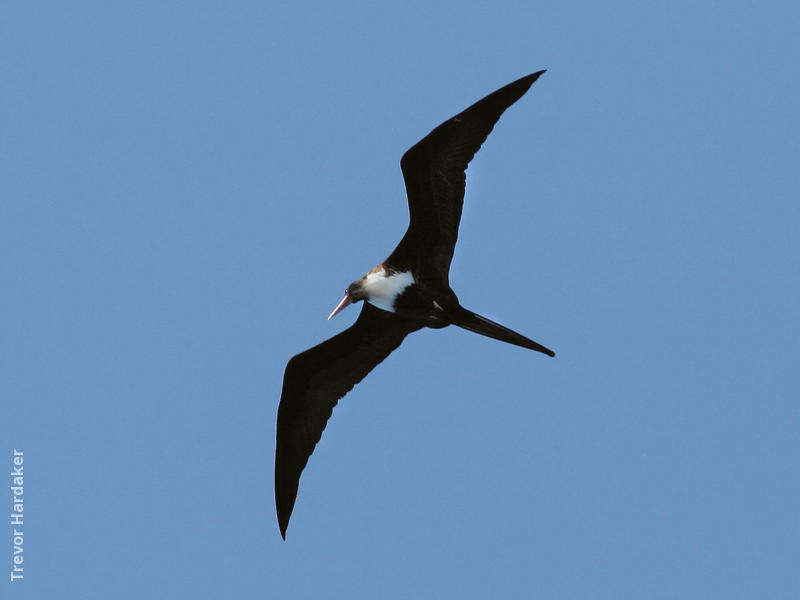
x=474 y=322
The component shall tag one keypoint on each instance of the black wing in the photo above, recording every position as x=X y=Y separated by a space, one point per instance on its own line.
x=313 y=383
x=434 y=172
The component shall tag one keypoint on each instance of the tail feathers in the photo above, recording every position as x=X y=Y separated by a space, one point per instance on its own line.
x=473 y=322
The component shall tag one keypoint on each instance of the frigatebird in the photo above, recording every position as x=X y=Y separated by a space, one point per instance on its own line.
x=406 y=292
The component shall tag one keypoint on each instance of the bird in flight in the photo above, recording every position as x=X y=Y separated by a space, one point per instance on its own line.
x=406 y=292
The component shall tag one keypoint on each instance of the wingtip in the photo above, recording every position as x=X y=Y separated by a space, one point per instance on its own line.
x=281 y=507
x=283 y=527
x=534 y=76
x=527 y=81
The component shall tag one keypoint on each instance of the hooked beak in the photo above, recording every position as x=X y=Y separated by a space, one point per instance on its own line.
x=341 y=306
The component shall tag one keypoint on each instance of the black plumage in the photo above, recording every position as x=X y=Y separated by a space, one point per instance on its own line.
x=315 y=380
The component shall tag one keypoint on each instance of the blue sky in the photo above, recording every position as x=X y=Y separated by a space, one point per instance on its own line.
x=187 y=189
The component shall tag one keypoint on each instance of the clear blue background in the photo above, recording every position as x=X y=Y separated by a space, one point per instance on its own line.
x=187 y=188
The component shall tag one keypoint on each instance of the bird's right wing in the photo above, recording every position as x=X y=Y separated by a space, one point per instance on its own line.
x=313 y=383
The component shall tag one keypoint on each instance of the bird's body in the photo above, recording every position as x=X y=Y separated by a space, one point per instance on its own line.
x=401 y=293
x=384 y=288
x=406 y=292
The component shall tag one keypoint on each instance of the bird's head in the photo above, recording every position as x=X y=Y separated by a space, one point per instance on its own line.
x=354 y=292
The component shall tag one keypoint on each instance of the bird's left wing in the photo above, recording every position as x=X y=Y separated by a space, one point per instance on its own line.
x=313 y=383
x=434 y=172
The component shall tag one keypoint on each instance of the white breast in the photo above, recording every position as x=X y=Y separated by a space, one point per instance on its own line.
x=383 y=289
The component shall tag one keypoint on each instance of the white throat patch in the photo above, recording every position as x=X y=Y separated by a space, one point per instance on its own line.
x=382 y=289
